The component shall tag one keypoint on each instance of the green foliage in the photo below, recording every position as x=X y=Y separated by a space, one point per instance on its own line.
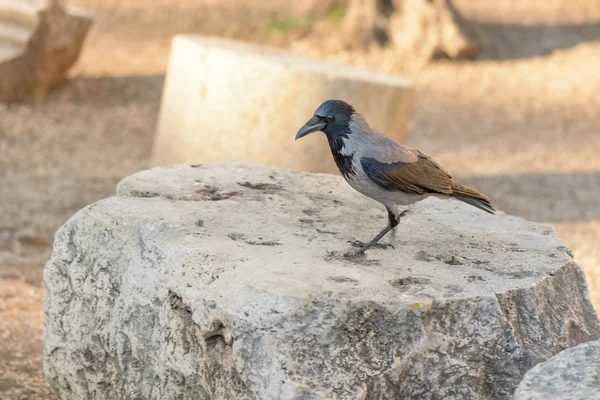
x=337 y=13
x=34 y=92
x=275 y=25
x=31 y=88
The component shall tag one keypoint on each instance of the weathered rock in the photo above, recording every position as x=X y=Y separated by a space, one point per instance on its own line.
x=418 y=29
x=39 y=42
x=231 y=281
x=226 y=100
x=571 y=374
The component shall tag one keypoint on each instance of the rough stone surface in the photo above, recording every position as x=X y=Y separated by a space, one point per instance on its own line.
x=233 y=281
x=226 y=100
x=571 y=374
x=39 y=42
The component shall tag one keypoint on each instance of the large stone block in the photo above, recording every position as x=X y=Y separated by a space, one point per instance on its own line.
x=232 y=281
x=571 y=374
x=226 y=100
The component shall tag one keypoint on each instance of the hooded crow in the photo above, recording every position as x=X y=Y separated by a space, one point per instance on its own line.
x=382 y=169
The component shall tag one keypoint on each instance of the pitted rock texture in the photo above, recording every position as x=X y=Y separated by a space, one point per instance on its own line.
x=571 y=374
x=232 y=280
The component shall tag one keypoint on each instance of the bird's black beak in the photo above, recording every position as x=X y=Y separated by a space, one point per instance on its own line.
x=313 y=125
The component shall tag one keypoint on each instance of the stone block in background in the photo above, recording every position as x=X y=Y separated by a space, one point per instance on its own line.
x=228 y=100
x=229 y=280
x=414 y=29
x=39 y=41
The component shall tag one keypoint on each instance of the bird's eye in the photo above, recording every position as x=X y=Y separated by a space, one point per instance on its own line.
x=329 y=118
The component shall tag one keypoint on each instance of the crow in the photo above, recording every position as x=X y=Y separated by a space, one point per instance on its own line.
x=380 y=168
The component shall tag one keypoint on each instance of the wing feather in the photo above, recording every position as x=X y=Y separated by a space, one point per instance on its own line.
x=418 y=177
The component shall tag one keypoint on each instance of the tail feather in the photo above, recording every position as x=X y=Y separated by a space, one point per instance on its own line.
x=472 y=197
x=481 y=204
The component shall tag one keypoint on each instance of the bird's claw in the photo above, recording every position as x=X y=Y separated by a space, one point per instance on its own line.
x=364 y=246
x=357 y=243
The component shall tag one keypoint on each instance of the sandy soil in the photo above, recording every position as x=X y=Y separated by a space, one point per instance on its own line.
x=521 y=124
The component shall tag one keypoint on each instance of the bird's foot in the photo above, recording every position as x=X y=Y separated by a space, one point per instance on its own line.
x=363 y=246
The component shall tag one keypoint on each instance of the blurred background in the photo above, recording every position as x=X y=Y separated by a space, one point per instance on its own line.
x=515 y=113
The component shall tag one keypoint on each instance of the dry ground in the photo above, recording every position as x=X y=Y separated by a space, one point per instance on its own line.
x=521 y=124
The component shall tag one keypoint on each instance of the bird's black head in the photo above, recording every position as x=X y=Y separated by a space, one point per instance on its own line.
x=332 y=117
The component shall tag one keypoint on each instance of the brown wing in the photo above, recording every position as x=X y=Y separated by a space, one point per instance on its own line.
x=418 y=177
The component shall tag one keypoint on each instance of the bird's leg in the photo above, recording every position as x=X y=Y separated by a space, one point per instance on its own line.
x=374 y=241
x=394 y=220
x=402 y=214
